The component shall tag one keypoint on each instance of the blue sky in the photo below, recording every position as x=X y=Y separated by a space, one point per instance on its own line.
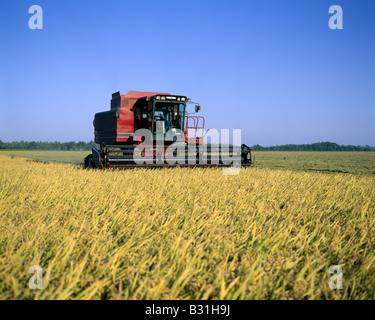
x=271 y=68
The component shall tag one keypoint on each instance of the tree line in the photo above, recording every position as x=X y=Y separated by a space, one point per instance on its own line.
x=319 y=146
x=75 y=146
x=35 y=145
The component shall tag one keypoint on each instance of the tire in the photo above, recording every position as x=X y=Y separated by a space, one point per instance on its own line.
x=89 y=162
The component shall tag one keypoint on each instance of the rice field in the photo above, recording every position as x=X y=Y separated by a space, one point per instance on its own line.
x=317 y=161
x=186 y=233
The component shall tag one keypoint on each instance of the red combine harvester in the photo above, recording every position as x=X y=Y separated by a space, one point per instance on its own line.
x=170 y=136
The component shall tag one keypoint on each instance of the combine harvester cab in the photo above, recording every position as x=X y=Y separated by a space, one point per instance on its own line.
x=174 y=137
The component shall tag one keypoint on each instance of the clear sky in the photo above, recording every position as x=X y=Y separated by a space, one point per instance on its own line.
x=271 y=68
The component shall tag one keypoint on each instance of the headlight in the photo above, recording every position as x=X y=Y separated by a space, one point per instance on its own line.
x=162 y=98
x=183 y=99
x=157 y=97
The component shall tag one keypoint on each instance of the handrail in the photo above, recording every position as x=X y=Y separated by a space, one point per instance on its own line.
x=198 y=125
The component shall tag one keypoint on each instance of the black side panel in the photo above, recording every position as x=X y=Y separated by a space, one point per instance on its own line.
x=105 y=125
x=96 y=157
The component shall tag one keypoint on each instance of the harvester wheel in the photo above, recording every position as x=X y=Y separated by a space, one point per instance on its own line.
x=89 y=162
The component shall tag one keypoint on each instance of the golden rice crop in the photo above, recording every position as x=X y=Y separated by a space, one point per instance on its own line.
x=184 y=233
